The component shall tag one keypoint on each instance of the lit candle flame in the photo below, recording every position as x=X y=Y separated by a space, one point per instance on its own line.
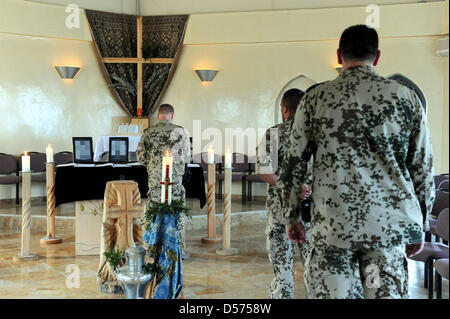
x=49 y=145
x=167 y=154
x=26 y=153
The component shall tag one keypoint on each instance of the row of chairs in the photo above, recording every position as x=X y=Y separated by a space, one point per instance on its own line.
x=243 y=171
x=435 y=253
x=11 y=165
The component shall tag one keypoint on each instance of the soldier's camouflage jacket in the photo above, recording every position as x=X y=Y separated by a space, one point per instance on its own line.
x=270 y=154
x=373 y=166
x=155 y=141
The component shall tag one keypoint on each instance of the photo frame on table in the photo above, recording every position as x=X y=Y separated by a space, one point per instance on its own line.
x=82 y=150
x=118 y=149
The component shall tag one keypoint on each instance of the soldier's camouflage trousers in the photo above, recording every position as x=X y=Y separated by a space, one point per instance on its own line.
x=281 y=255
x=335 y=273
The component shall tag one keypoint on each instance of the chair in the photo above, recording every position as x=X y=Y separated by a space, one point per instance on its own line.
x=63 y=158
x=241 y=169
x=252 y=178
x=441 y=265
x=443 y=186
x=434 y=250
x=440 y=203
x=439 y=178
x=8 y=166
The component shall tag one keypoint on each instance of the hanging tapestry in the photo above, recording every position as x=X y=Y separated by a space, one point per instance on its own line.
x=115 y=36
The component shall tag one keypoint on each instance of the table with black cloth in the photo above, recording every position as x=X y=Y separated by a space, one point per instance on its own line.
x=88 y=183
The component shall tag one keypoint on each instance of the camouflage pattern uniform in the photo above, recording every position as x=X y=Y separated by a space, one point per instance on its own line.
x=372 y=182
x=155 y=141
x=280 y=249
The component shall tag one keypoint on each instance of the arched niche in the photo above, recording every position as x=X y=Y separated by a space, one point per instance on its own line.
x=301 y=82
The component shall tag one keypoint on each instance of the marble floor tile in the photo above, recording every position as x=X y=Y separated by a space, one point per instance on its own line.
x=206 y=274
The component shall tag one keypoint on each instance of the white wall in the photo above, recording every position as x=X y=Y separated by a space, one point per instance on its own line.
x=36 y=106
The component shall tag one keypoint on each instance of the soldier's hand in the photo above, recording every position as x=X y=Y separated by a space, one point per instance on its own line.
x=306 y=191
x=296 y=233
x=413 y=249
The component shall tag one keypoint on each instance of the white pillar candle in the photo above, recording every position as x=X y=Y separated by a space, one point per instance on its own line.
x=167 y=162
x=169 y=198
x=49 y=152
x=25 y=162
x=228 y=159
x=211 y=155
x=163 y=179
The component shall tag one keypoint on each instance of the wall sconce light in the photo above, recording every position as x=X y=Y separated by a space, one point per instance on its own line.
x=338 y=69
x=67 y=71
x=206 y=75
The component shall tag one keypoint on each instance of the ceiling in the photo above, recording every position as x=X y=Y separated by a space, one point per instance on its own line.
x=161 y=7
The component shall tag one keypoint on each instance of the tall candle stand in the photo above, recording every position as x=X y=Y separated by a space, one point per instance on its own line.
x=26 y=219
x=51 y=238
x=211 y=239
x=226 y=227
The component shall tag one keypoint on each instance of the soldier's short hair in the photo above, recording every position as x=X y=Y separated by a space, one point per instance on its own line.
x=291 y=99
x=166 y=109
x=359 y=43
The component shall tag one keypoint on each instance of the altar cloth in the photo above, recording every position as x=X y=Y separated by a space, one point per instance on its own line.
x=88 y=183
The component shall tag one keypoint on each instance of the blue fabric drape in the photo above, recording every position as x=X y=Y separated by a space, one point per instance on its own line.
x=163 y=244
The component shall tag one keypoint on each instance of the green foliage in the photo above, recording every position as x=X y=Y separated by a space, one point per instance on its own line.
x=154 y=269
x=114 y=257
x=176 y=207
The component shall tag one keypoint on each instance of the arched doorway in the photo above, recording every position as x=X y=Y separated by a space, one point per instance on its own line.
x=301 y=82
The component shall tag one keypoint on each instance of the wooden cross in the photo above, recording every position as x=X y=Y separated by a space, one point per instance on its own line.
x=140 y=61
x=124 y=211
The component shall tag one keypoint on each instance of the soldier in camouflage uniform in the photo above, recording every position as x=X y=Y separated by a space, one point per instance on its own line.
x=270 y=154
x=155 y=141
x=372 y=176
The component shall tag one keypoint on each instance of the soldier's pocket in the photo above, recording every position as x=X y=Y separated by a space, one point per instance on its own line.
x=396 y=272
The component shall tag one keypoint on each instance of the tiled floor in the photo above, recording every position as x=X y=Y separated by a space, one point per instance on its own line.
x=206 y=274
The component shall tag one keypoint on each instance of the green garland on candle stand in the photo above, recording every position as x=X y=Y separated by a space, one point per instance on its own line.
x=176 y=207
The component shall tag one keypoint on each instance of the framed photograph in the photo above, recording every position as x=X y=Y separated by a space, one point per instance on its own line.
x=82 y=150
x=118 y=149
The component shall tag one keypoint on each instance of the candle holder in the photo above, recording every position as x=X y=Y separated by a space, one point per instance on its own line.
x=51 y=238
x=226 y=232
x=26 y=220
x=211 y=239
